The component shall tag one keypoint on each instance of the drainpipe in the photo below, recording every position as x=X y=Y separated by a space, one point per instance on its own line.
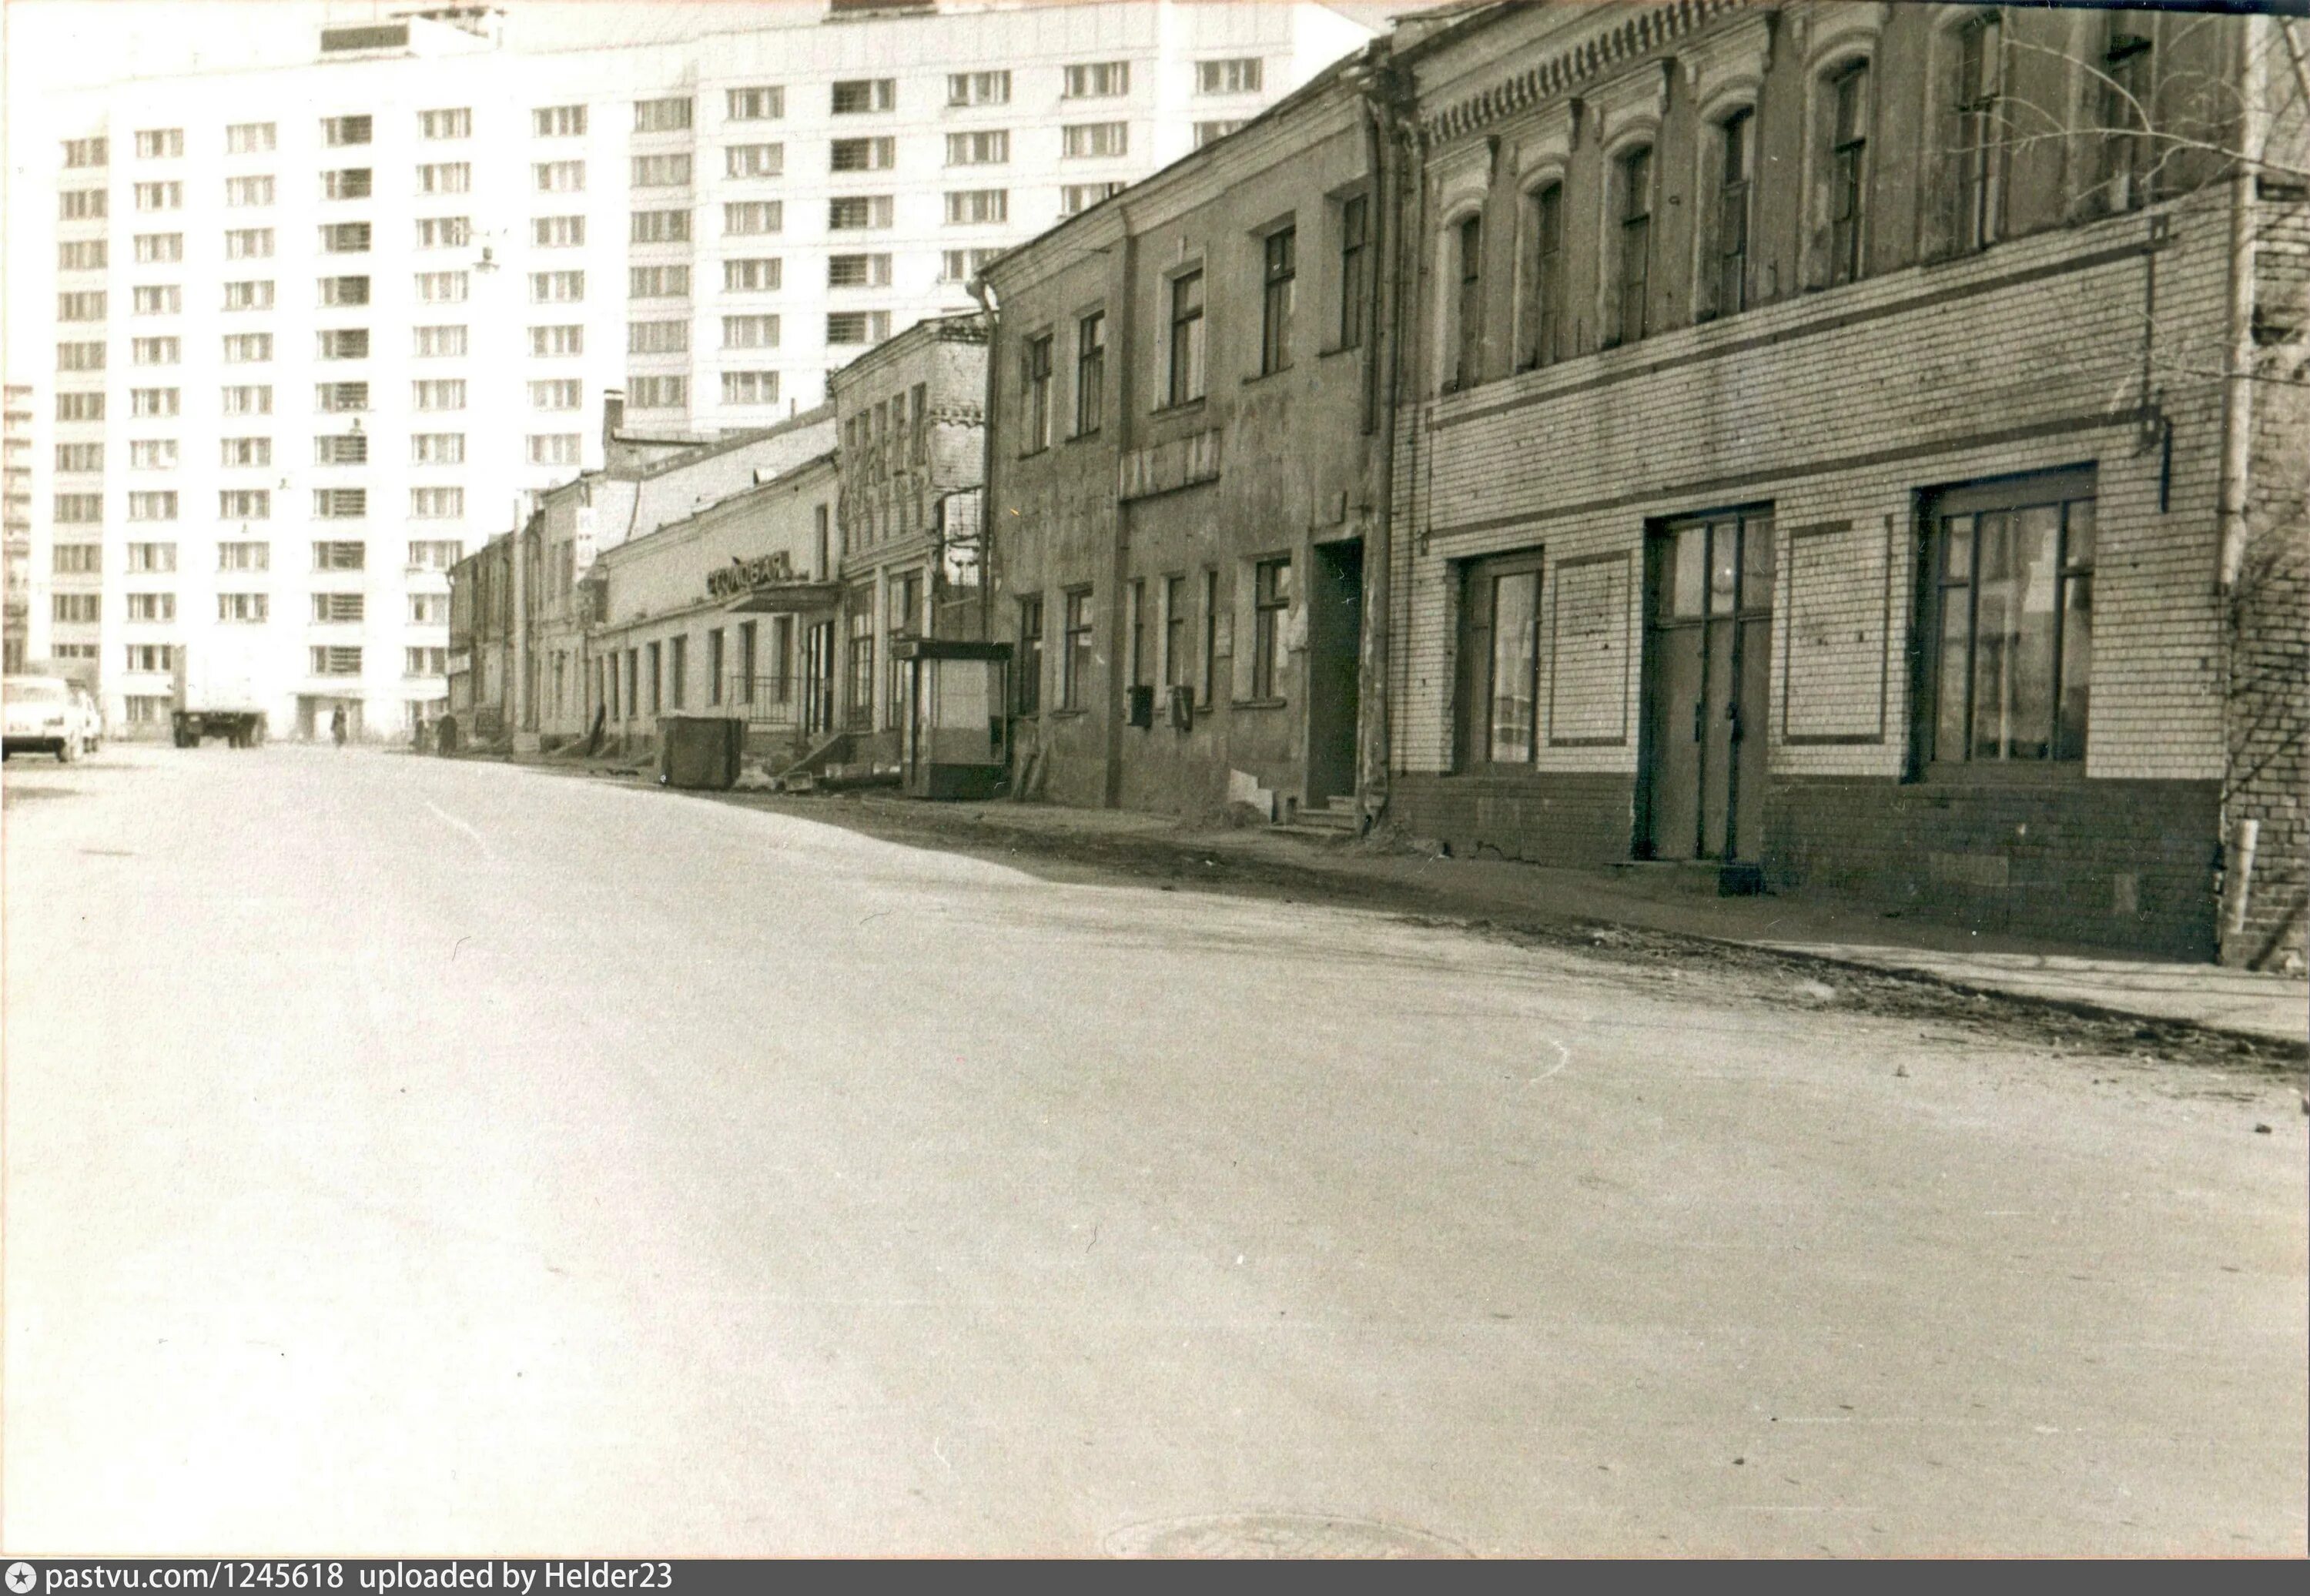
x=978 y=289
x=1382 y=384
x=520 y=560
x=1126 y=409
x=2237 y=381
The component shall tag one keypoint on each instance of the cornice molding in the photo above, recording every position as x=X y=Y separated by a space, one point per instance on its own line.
x=1604 y=53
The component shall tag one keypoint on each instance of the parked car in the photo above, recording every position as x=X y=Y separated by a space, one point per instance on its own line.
x=38 y=715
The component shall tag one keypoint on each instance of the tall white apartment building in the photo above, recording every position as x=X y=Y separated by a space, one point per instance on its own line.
x=318 y=329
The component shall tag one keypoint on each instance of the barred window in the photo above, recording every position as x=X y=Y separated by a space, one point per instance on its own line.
x=340 y=343
x=858 y=271
x=852 y=213
x=863 y=155
x=861 y=96
x=344 y=290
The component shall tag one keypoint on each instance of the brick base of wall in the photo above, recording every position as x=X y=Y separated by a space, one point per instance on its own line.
x=2122 y=864
x=2131 y=864
x=1542 y=818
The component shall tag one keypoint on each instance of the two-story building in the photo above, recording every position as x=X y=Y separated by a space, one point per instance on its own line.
x=1185 y=468
x=1834 y=447
x=1816 y=461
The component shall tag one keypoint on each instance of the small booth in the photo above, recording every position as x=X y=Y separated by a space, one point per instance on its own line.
x=957 y=741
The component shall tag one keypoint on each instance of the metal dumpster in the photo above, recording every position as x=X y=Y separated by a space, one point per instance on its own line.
x=699 y=751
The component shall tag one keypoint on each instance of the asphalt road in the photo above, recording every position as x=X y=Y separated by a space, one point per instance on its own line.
x=415 y=1156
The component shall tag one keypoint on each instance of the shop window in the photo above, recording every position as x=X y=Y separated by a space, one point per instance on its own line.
x=1499 y=661
x=2006 y=657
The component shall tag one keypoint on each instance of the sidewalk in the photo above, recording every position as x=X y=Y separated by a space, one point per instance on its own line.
x=1681 y=901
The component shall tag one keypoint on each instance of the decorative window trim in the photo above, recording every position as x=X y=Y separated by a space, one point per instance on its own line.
x=1827 y=36
x=1546 y=151
x=1631 y=108
x=1728 y=67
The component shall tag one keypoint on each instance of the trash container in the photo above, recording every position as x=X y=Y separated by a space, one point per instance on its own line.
x=699 y=751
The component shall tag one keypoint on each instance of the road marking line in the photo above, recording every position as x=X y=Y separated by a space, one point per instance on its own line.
x=448 y=819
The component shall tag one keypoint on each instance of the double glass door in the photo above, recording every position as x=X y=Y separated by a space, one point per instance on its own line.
x=1708 y=648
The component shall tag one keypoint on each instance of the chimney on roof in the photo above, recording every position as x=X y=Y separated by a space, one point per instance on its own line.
x=613 y=417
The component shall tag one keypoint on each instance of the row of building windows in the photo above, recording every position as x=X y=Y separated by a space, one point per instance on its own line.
x=245 y=555
x=756 y=103
x=1164 y=647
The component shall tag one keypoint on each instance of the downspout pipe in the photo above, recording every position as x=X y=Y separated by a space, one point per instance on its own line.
x=1381 y=89
x=979 y=291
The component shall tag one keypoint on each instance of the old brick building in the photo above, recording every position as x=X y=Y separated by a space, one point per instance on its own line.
x=1813 y=460
x=910 y=416
x=1842 y=448
x=1183 y=470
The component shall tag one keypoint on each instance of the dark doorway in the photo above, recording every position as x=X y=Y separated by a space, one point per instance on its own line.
x=818 y=679
x=1335 y=612
x=1708 y=645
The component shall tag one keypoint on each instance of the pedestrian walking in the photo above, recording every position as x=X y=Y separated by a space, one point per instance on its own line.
x=337 y=726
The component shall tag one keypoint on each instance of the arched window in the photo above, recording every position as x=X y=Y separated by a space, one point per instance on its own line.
x=1845 y=172
x=1727 y=269
x=1544 y=338
x=1465 y=356
x=1633 y=244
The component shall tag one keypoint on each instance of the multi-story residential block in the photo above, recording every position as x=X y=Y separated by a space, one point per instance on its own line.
x=16 y=498
x=366 y=296
x=911 y=418
x=1844 y=447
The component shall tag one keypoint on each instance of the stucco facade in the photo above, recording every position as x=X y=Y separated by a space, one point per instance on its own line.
x=1182 y=472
